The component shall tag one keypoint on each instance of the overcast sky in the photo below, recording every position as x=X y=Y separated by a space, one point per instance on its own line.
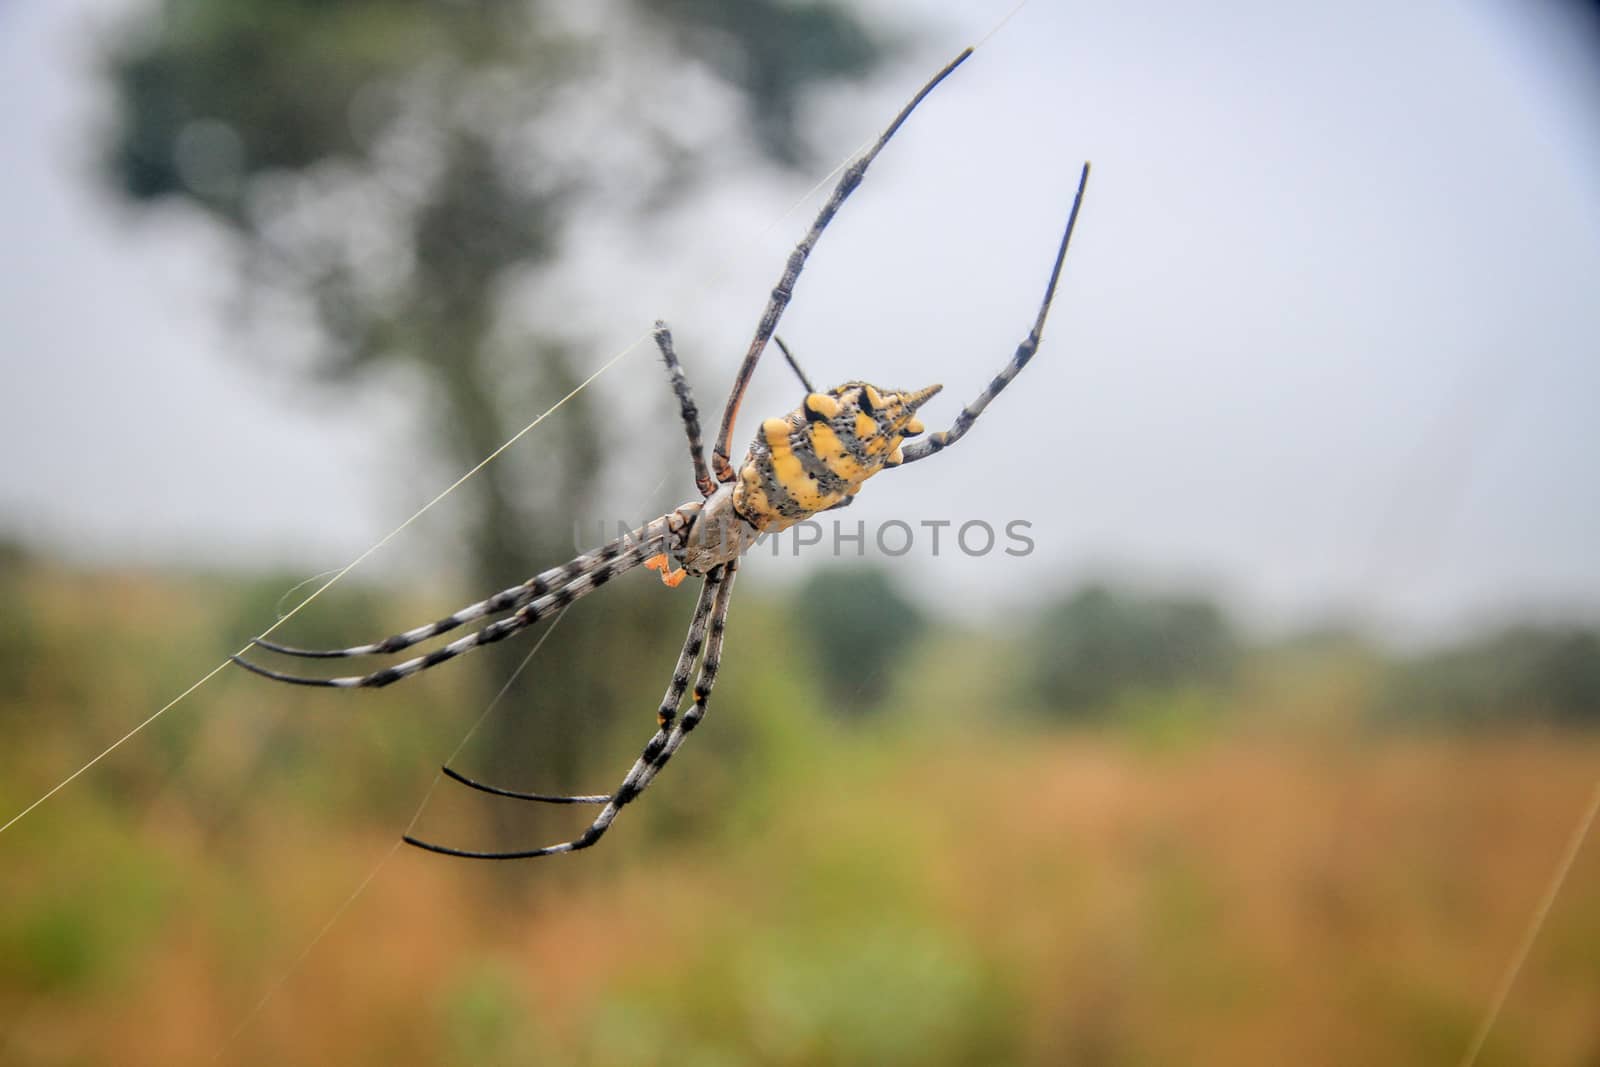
x=1327 y=338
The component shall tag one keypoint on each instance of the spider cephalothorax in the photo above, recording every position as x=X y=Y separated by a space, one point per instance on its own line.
x=810 y=460
x=818 y=456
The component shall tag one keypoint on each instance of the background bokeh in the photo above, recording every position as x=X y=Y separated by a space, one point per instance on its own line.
x=1265 y=751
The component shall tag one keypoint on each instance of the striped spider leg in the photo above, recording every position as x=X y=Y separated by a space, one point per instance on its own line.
x=813 y=459
x=784 y=290
x=938 y=442
x=533 y=600
x=540 y=596
x=711 y=612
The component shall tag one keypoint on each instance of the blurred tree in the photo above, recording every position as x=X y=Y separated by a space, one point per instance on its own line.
x=1516 y=674
x=856 y=622
x=1098 y=644
x=388 y=168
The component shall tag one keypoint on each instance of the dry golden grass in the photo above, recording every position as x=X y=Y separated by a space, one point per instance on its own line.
x=1242 y=902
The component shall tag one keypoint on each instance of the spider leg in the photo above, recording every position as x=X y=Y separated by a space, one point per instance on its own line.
x=651 y=766
x=692 y=644
x=543 y=798
x=515 y=597
x=602 y=566
x=794 y=364
x=691 y=414
x=784 y=290
x=938 y=442
x=669 y=735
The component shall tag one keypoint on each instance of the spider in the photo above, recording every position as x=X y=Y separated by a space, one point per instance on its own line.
x=813 y=459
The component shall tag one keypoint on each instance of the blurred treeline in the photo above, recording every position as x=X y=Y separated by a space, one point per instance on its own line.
x=1113 y=830
x=1100 y=653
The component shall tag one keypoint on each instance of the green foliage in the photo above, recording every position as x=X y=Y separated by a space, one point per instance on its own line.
x=857 y=624
x=894 y=991
x=485 y=1017
x=1322 y=678
x=82 y=916
x=1528 y=672
x=289 y=86
x=212 y=92
x=771 y=50
x=17 y=634
x=1170 y=719
x=1099 y=644
x=845 y=961
x=388 y=164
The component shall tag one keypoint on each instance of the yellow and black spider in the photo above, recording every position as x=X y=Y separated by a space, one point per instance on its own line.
x=813 y=459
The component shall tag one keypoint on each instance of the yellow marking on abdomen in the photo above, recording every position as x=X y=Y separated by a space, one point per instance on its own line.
x=822 y=404
x=826 y=444
x=751 y=500
x=776 y=433
x=879 y=445
x=789 y=471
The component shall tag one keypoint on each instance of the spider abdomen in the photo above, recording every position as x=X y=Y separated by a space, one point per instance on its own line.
x=818 y=456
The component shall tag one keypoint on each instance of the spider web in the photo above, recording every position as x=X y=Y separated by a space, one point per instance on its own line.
x=336 y=576
x=382 y=542
x=325 y=586
x=1498 y=998
x=383 y=861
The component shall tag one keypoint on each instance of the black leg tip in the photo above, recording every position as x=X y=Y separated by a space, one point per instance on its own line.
x=276 y=676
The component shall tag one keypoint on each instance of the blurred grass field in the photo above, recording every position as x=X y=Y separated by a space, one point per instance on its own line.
x=1256 y=875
